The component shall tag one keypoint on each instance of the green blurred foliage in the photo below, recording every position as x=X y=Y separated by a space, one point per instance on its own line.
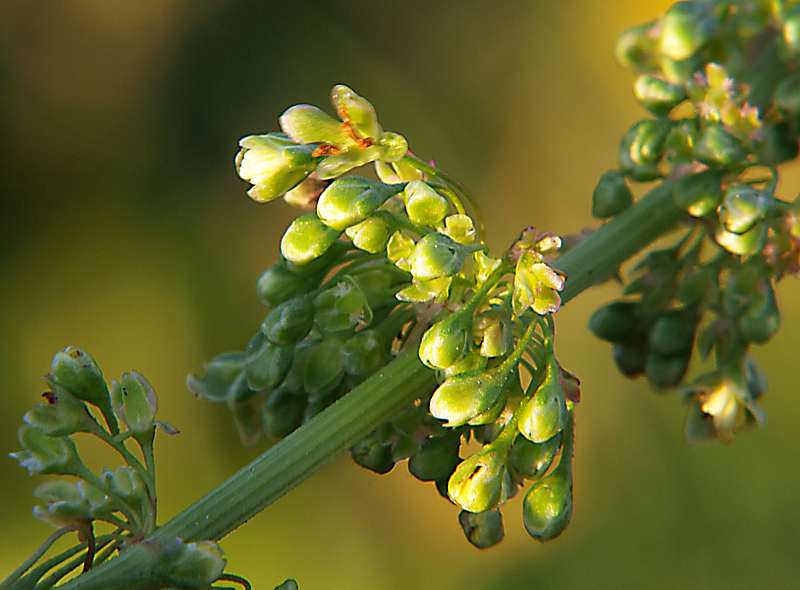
x=126 y=232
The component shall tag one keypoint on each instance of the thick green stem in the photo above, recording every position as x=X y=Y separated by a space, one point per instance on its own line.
x=289 y=462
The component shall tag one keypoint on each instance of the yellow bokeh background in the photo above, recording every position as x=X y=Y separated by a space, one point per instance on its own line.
x=125 y=231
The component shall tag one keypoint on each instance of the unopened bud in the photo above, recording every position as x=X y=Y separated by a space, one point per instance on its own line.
x=615 y=321
x=482 y=529
x=350 y=200
x=60 y=415
x=544 y=414
x=283 y=412
x=664 y=371
x=743 y=207
x=273 y=165
x=268 y=364
x=547 y=507
x=307 y=239
x=436 y=458
x=657 y=95
x=424 y=205
x=436 y=255
x=76 y=372
x=532 y=460
x=193 y=565
x=611 y=195
x=477 y=482
x=290 y=321
x=135 y=403
x=278 y=283
x=673 y=332
x=717 y=147
x=371 y=235
x=685 y=28
x=223 y=378
x=446 y=341
x=305 y=123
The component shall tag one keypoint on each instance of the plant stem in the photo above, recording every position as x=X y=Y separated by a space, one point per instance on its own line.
x=297 y=456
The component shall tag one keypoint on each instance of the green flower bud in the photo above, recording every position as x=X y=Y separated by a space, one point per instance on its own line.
x=611 y=195
x=614 y=322
x=61 y=415
x=46 y=454
x=342 y=308
x=350 y=200
x=697 y=286
x=778 y=144
x=761 y=321
x=424 y=205
x=283 y=412
x=547 y=507
x=746 y=244
x=193 y=565
x=532 y=460
x=125 y=483
x=306 y=239
x=305 y=123
x=482 y=530
x=536 y=286
x=477 y=482
x=635 y=47
x=373 y=453
x=544 y=414
x=647 y=139
x=495 y=334
x=278 y=283
x=289 y=584
x=267 y=364
x=673 y=332
x=246 y=413
x=685 y=28
x=393 y=146
x=630 y=161
x=365 y=353
x=717 y=147
x=436 y=458
x=371 y=235
x=223 y=378
x=742 y=208
x=77 y=373
x=290 y=321
x=657 y=95
x=436 y=255
x=324 y=368
x=665 y=371
x=135 y=403
x=272 y=165
x=355 y=111
x=787 y=94
x=446 y=341
x=463 y=397
x=698 y=194
x=630 y=358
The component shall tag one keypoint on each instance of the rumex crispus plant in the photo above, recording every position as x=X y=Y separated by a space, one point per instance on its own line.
x=393 y=330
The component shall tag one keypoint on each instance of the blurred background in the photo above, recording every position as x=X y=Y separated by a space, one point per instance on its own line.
x=125 y=231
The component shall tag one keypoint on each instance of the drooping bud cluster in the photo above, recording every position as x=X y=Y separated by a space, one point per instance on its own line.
x=719 y=130
x=380 y=265
x=123 y=498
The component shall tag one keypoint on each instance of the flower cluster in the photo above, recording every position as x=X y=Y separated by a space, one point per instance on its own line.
x=376 y=266
x=715 y=142
x=122 y=499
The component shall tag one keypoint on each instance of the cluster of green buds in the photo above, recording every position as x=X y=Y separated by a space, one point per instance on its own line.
x=396 y=260
x=721 y=125
x=120 y=500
